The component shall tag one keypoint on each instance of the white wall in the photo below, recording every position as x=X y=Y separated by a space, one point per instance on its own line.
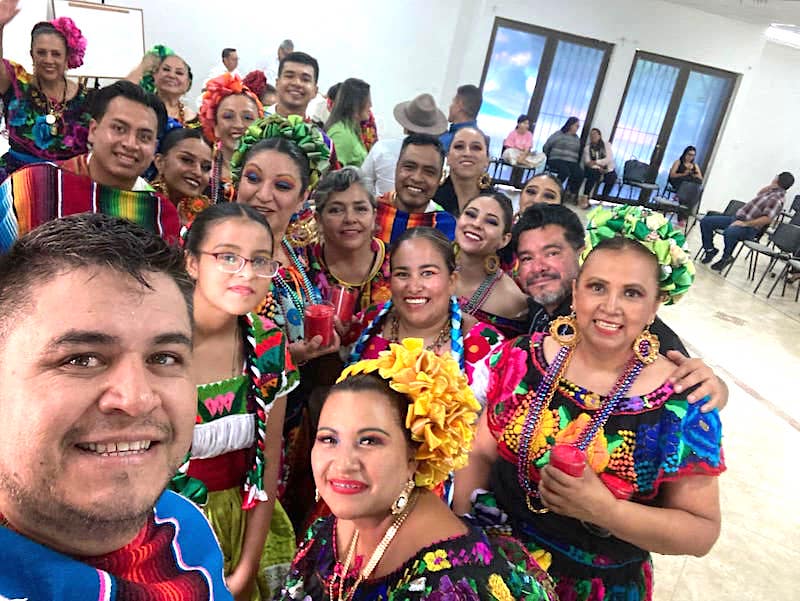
x=401 y=48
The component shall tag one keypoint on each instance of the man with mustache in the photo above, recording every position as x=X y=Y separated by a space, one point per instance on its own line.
x=409 y=205
x=98 y=406
x=547 y=241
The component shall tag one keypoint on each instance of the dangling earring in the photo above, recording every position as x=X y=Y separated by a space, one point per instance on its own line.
x=491 y=264
x=316 y=495
x=565 y=338
x=456 y=251
x=646 y=346
x=485 y=181
x=401 y=502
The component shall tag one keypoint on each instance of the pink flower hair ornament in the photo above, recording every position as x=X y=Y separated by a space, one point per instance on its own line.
x=76 y=42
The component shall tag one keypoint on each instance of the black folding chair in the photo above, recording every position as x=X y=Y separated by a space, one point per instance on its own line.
x=793 y=210
x=791 y=265
x=784 y=245
x=634 y=175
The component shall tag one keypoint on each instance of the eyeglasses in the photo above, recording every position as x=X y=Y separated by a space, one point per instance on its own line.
x=233 y=263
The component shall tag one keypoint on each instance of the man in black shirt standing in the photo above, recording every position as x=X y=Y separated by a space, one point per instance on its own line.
x=548 y=240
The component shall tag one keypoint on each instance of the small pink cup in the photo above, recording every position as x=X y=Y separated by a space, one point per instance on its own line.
x=568 y=458
x=318 y=321
x=343 y=299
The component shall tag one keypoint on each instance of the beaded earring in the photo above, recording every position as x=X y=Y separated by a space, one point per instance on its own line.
x=491 y=264
x=403 y=498
x=485 y=181
x=646 y=346
x=571 y=336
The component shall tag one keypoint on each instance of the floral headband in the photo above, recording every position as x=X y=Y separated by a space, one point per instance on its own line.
x=442 y=409
x=653 y=230
x=308 y=137
x=216 y=90
x=76 y=43
x=148 y=82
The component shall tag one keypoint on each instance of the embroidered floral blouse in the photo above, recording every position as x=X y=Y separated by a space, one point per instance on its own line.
x=227 y=429
x=26 y=110
x=471 y=567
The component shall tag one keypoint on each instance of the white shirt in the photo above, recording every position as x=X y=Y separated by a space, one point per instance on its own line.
x=379 y=166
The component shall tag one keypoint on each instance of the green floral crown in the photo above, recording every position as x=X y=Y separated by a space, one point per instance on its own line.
x=656 y=233
x=309 y=138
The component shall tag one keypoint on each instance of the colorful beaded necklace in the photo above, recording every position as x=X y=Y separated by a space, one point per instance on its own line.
x=481 y=294
x=456 y=335
x=541 y=403
x=297 y=272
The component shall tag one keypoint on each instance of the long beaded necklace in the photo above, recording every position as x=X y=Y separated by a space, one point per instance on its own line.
x=55 y=110
x=295 y=293
x=442 y=338
x=481 y=294
x=456 y=335
x=374 y=559
x=541 y=403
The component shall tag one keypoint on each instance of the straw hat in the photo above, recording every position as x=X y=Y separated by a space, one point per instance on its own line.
x=421 y=116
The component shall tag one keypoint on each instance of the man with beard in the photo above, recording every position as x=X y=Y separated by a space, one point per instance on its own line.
x=98 y=408
x=548 y=240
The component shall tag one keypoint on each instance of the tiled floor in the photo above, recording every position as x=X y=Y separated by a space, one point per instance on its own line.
x=754 y=345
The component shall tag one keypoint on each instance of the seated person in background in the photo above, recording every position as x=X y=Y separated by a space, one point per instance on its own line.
x=685 y=169
x=518 y=145
x=351 y=107
x=417 y=175
x=83 y=511
x=390 y=536
x=548 y=241
x=463 y=112
x=563 y=150
x=745 y=225
x=125 y=126
x=598 y=165
x=417 y=116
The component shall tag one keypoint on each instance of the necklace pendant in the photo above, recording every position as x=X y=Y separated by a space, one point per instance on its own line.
x=54 y=130
x=50 y=119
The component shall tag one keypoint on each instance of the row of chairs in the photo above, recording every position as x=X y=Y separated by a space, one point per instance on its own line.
x=783 y=245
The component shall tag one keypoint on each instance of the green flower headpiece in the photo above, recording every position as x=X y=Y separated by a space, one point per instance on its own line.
x=308 y=137
x=656 y=233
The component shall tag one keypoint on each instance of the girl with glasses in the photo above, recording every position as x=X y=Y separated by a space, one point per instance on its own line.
x=244 y=371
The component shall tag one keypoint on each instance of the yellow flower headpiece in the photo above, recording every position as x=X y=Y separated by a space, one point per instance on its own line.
x=442 y=411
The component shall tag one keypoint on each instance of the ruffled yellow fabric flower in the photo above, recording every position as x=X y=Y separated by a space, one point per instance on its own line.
x=442 y=411
x=499 y=589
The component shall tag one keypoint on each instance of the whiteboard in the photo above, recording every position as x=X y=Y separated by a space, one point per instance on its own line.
x=114 y=37
x=17 y=35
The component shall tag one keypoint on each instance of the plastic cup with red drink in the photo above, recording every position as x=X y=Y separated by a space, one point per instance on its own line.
x=318 y=321
x=343 y=299
x=568 y=458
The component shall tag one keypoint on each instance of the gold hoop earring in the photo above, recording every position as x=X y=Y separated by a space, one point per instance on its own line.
x=491 y=264
x=646 y=346
x=485 y=181
x=565 y=338
x=401 y=502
